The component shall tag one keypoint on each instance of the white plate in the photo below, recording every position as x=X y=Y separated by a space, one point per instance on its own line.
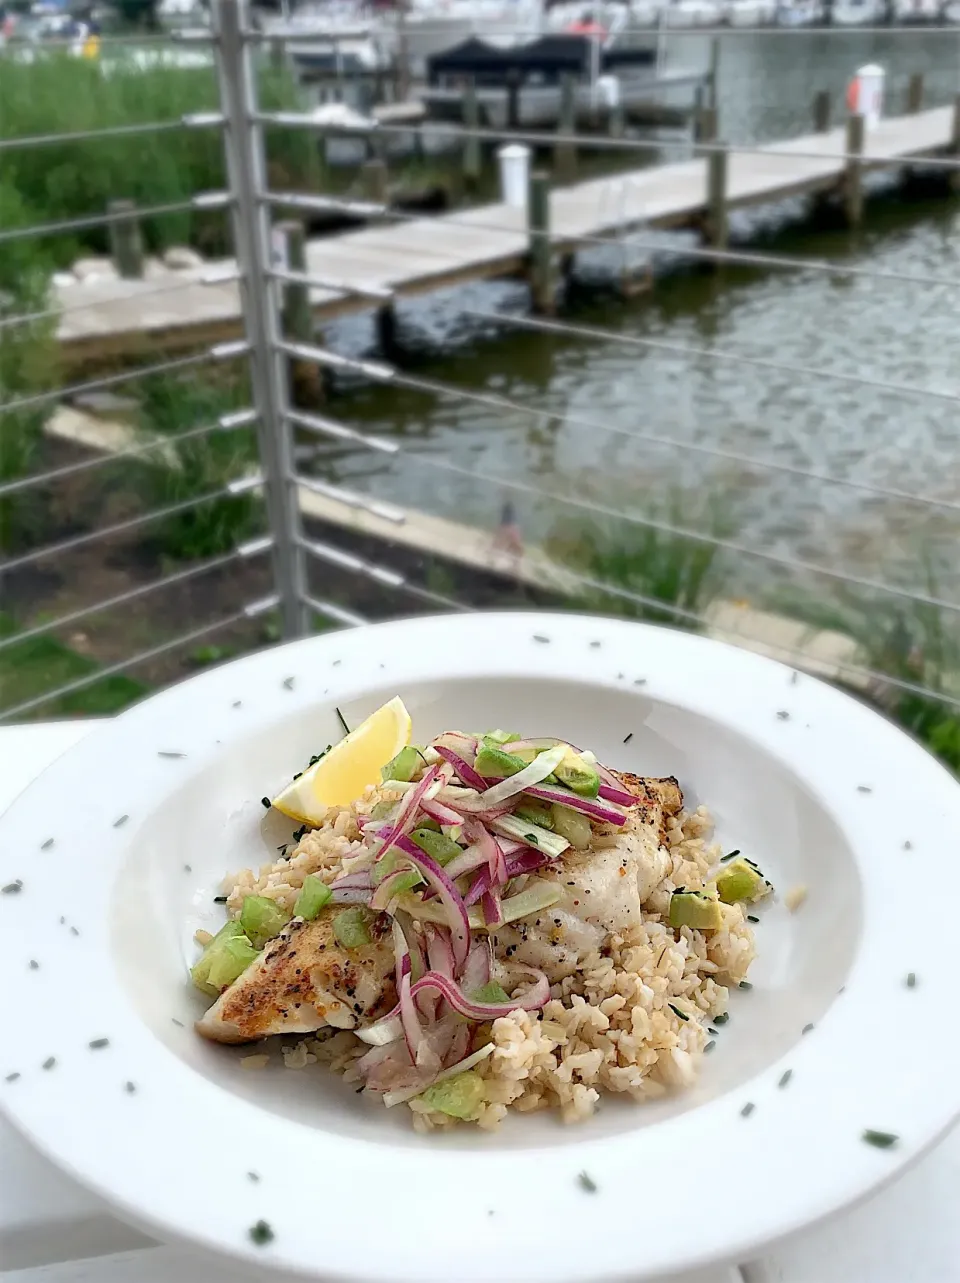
x=813 y=785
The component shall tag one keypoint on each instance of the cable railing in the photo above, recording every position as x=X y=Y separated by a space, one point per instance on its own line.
x=339 y=542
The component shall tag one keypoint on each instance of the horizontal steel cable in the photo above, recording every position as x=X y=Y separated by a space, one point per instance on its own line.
x=252 y=548
x=330 y=610
x=386 y=373
x=13 y=142
x=204 y=200
x=220 y=352
x=109 y=670
x=335 y=556
x=227 y=423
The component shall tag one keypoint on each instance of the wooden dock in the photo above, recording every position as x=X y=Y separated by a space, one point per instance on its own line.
x=106 y=317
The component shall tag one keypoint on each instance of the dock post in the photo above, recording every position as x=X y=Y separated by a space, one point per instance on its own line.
x=716 y=223
x=853 y=178
x=915 y=93
x=472 y=159
x=374 y=178
x=126 y=242
x=402 y=61
x=714 y=72
x=706 y=126
x=821 y=112
x=617 y=123
x=514 y=82
x=954 y=149
x=290 y=253
x=538 y=233
x=565 y=153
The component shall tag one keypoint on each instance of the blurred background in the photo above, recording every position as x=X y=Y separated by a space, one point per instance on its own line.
x=313 y=315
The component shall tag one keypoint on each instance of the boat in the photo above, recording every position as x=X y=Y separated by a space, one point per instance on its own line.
x=749 y=13
x=521 y=87
x=799 y=13
x=916 y=13
x=693 y=13
x=951 y=12
x=858 y=13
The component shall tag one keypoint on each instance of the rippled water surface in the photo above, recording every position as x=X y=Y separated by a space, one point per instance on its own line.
x=613 y=424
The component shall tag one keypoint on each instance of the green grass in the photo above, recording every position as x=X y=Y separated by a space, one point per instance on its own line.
x=66 y=180
x=30 y=668
x=678 y=576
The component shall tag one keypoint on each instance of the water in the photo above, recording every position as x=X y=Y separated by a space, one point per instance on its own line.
x=591 y=407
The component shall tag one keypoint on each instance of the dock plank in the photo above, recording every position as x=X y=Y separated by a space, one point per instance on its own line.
x=111 y=316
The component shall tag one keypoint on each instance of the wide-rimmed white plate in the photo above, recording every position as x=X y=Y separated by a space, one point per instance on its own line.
x=121 y=844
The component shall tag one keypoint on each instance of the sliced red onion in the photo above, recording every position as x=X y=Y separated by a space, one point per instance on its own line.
x=476 y=973
x=481 y=836
x=411 y=937
x=465 y=745
x=359 y=881
x=620 y=796
x=448 y=894
x=406 y=814
x=397 y=1097
x=439 y=951
x=526 y=861
x=543 y=764
x=392 y=885
x=492 y=910
x=412 y=1031
x=441 y=813
x=532 y=1000
x=462 y=768
x=383 y=1032
x=544 y=742
x=472 y=858
x=602 y=812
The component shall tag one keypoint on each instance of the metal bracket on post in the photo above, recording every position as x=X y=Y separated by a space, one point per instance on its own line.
x=246 y=165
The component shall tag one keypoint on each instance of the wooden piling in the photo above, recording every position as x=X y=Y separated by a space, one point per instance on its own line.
x=915 y=93
x=617 y=121
x=565 y=153
x=374 y=180
x=954 y=148
x=853 y=178
x=472 y=158
x=821 y=111
x=705 y=130
x=716 y=224
x=126 y=241
x=714 y=75
x=538 y=236
x=306 y=378
x=514 y=83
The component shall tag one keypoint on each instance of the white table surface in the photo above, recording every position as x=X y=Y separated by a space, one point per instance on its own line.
x=53 y=1231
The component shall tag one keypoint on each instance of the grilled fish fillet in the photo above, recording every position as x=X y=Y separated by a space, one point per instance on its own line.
x=305 y=979
x=603 y=887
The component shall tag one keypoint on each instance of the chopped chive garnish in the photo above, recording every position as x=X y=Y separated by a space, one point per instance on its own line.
x=729 y=856
x=261 y=1233
x=62 y=921
x=539 y=637
x=785 y=1077
x=130 y=1088
x=34 y=965
x=343 y=723
x=595 y=645
x=336 y=663
x=236 y=703
x=879 y=1140
x=49 y=1062
x=97 y=1043
x=640 y=681
x=297 y=776
x=163 y=753
x=908 y=846
x=530 y=837
x=722 y=1018
x=745 y=984
x=748 y=1109
x=864 y=788
x=219 y=899
x=752 y=917
x=783 y=715
x=628 y=738
x=188 y=868
x=911 y=981
x=288 y=683
x=74 y=931
x=178 y=1023
x=586 y=1181
x=122 y=820
x=620 y=676
x=11 y=1078
x=806 y=1029
x=677 y=1012
x=711 y=1030
x=266 y=803
x=299 y=833
x=45 y=846
x=253 y=1176
x=793 y=677
x=12 y=888
x=709 y=1046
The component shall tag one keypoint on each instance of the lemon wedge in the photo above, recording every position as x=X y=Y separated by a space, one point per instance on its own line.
x=342 y=774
